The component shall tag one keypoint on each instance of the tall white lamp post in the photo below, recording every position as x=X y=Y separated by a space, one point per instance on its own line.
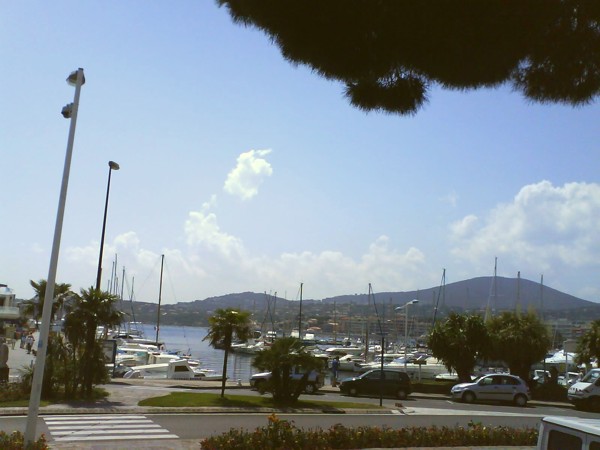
x=405 y=308
x=76 y=79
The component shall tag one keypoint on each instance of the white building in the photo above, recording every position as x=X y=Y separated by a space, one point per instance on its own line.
x=8 y=310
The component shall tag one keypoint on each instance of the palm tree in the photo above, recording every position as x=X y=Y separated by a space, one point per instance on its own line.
x=588 y=347
x=223 y=326
x=280 y=359
x=34 y=307
x=84 y=315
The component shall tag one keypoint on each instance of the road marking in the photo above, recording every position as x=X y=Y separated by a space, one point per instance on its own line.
x=463 y=412
x=105 y=427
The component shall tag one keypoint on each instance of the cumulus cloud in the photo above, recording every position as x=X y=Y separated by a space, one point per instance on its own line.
x=243 y=181
x=202 y=229
x=542 y=224
x=451 y=198
x=334 y=272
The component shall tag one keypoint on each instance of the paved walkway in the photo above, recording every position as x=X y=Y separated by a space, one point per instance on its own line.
x=19 y=359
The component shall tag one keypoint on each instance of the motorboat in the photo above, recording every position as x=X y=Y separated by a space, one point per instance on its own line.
x=341 y=351
x=349 y=363
x=178 y=369
x=248 y=348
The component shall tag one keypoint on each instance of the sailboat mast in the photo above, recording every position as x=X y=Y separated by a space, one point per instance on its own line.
x=367 y=329
x=542 y=297
x=162 y=261
x=300 y=315
x=518 y=303
x=442 y=292
x=335 y=325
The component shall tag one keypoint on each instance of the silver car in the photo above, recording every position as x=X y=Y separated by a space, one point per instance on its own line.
x=493 y=387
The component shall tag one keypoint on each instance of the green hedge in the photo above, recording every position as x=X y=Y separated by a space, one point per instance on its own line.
x=433 y=387
x=281 y=434
x=550 y=392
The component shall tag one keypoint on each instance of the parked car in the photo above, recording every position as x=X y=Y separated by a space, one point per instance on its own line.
x=569 y=379
x=314 y=382
x=393 y=382
x=586 y=392
x=493 y=387
x=573 y=433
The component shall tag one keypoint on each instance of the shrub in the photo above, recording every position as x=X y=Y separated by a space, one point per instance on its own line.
x=281 y=434
x=550 y=392
x=434 y=387
x=16 y=441
x=12 y=392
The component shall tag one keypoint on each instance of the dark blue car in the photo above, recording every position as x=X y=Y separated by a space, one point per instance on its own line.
x=393 y=383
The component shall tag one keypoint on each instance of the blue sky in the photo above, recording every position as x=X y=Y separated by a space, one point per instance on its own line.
x=251 y=174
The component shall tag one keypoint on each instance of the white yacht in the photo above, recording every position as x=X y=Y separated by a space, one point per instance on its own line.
x=178 y=369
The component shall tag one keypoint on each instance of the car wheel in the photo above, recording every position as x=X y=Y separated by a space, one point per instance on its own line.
x=310 y=389
x=261 y=387
x=353 y=391
x=521 y=400
x=401 y=394
x=468 y=397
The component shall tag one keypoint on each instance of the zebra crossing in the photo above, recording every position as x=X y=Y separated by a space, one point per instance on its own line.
x=105 y=427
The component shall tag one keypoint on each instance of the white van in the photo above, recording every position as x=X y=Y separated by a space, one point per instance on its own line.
x=586 y=393
x=572 y=433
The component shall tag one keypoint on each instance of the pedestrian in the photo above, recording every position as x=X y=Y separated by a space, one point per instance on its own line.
x=29 y=340
x=335 y=365
x=3 y=360
x=23 y=339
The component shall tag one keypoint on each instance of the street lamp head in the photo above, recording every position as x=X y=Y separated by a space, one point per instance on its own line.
x=67 y=111
x=412 y=302
x=72 y=78
x=113 y=165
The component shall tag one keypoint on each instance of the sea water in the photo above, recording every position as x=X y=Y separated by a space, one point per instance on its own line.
x=190 y=340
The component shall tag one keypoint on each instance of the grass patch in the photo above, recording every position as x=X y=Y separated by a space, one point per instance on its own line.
x=185 y=399
x=18 y=403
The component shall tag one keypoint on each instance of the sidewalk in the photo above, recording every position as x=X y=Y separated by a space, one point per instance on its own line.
x=18 y=358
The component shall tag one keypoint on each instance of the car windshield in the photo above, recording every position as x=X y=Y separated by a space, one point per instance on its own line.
x=591 y=376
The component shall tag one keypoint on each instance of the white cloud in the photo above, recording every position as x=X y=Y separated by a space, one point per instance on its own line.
x=243 y=181
x=544 y=226
x=544 y=229
x=451 y=198
x=333 y=272
x=464 y=227
x=202 y=229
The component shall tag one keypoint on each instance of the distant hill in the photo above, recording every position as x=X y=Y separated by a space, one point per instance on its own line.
x=468 y=295
x=475 y=293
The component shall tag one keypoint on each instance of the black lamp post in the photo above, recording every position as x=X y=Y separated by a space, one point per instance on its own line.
x=111 y=166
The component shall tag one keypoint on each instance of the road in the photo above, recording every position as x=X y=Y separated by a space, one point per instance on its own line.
x=77 y=429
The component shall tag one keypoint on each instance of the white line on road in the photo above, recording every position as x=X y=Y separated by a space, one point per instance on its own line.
x=114 y=438
x=105 y=427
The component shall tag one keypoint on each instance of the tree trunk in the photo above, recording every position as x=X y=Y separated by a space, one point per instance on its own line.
x=224 y=380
